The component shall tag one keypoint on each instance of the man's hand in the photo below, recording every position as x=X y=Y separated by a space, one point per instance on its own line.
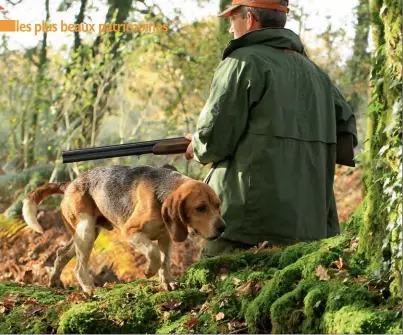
x=189 y=150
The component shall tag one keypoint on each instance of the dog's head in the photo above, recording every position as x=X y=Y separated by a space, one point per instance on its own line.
x=196 y=205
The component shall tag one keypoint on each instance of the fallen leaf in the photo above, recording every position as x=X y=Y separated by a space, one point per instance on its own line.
x=77 y=297
x=220 y=316
x=339 y=263
x=236 y=325
x=109 y=285
x=244 y=289
x=321 y=272
x=191 y=323
x=171 y=305
x=2 y=310
x=236 y=281
x=222 y=274
x=31 y=301
x=353 y=245
x=262 y=246
x=34 y=310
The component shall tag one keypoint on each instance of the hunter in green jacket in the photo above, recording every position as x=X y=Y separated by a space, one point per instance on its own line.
x=270 y=125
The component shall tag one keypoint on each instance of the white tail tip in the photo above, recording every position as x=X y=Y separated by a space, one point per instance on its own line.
x=29 y=210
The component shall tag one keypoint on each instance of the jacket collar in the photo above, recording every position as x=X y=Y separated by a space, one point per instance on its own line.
x=275 y=37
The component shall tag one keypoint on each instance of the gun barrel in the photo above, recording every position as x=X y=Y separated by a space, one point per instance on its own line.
x=120 y=150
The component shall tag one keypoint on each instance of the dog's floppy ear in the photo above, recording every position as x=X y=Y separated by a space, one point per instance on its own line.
x=174 y=217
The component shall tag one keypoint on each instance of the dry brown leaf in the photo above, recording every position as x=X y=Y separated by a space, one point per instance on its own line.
x=191 y=323
x=353 y=245
x=77 y=297
x=236 y=281
x=222 y=274
x=321 y=272
x=263 y=245
x=220 y=316
x=339 y=263
x=31 y=301
x=235 y=325
x=109 y=285
x=35 y=310
x=171 y=305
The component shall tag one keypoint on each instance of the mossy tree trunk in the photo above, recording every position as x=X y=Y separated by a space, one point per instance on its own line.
x=381 y=233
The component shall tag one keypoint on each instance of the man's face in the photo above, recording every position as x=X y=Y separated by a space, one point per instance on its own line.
x=242 y=23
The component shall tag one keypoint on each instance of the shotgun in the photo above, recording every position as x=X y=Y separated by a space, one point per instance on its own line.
x=177 y=145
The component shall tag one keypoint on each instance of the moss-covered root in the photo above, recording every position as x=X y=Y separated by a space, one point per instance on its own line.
x=286 y=280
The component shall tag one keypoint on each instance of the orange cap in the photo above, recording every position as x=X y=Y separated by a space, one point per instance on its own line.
x=269 y=4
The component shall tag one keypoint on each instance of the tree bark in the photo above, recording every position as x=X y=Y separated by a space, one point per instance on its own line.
x=381 y=233
x=39 y=99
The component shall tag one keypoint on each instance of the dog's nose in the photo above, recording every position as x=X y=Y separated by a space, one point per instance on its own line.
x=221 y=225
x=221 y=229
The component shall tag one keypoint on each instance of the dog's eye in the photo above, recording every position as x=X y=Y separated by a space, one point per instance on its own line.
x=201 y=209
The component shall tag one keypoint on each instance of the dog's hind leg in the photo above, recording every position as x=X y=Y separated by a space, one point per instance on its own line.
x=63 y=256
x=84 y=238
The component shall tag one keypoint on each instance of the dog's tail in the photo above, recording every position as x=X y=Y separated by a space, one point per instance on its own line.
x=34 y=198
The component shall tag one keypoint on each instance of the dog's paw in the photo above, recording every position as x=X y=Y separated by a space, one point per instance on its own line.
x=56 y=283
x=169 y=285
x=89 y=290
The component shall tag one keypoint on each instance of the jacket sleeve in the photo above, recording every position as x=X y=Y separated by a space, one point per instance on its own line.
x=225 y=114
x=345 y=119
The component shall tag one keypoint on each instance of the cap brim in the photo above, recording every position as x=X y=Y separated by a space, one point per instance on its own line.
x=228 y=11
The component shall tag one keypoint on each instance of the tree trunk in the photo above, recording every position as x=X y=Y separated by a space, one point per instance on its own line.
x=381 y=233
x=39 y=99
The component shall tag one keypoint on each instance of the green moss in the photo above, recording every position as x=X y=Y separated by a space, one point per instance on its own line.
x=126 y=309
x=187 y=298
x=356 y=221
x=287 y=312
x=176 y=327
x=314 y=307
x=358 y=320
x=206 y=270
x=346 y=294
x=284 y=281
x=295 y=252
x=43 y=294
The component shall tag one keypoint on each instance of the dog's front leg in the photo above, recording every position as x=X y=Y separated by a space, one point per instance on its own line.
x=145 y=246
x=165 y=246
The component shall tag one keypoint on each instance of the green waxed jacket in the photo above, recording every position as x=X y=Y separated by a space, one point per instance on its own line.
x=270 y=124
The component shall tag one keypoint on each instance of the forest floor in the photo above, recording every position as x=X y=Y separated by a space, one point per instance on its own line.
x=317 y=287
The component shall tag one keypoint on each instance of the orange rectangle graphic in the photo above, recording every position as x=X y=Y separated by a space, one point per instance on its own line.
x=8 y=25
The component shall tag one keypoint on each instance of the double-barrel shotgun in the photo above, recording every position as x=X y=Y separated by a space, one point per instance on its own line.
x=177 y=145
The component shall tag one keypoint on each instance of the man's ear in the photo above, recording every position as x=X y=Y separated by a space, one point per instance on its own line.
x=174 y=217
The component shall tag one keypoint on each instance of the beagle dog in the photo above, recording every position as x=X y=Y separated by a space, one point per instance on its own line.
x=146 y=203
